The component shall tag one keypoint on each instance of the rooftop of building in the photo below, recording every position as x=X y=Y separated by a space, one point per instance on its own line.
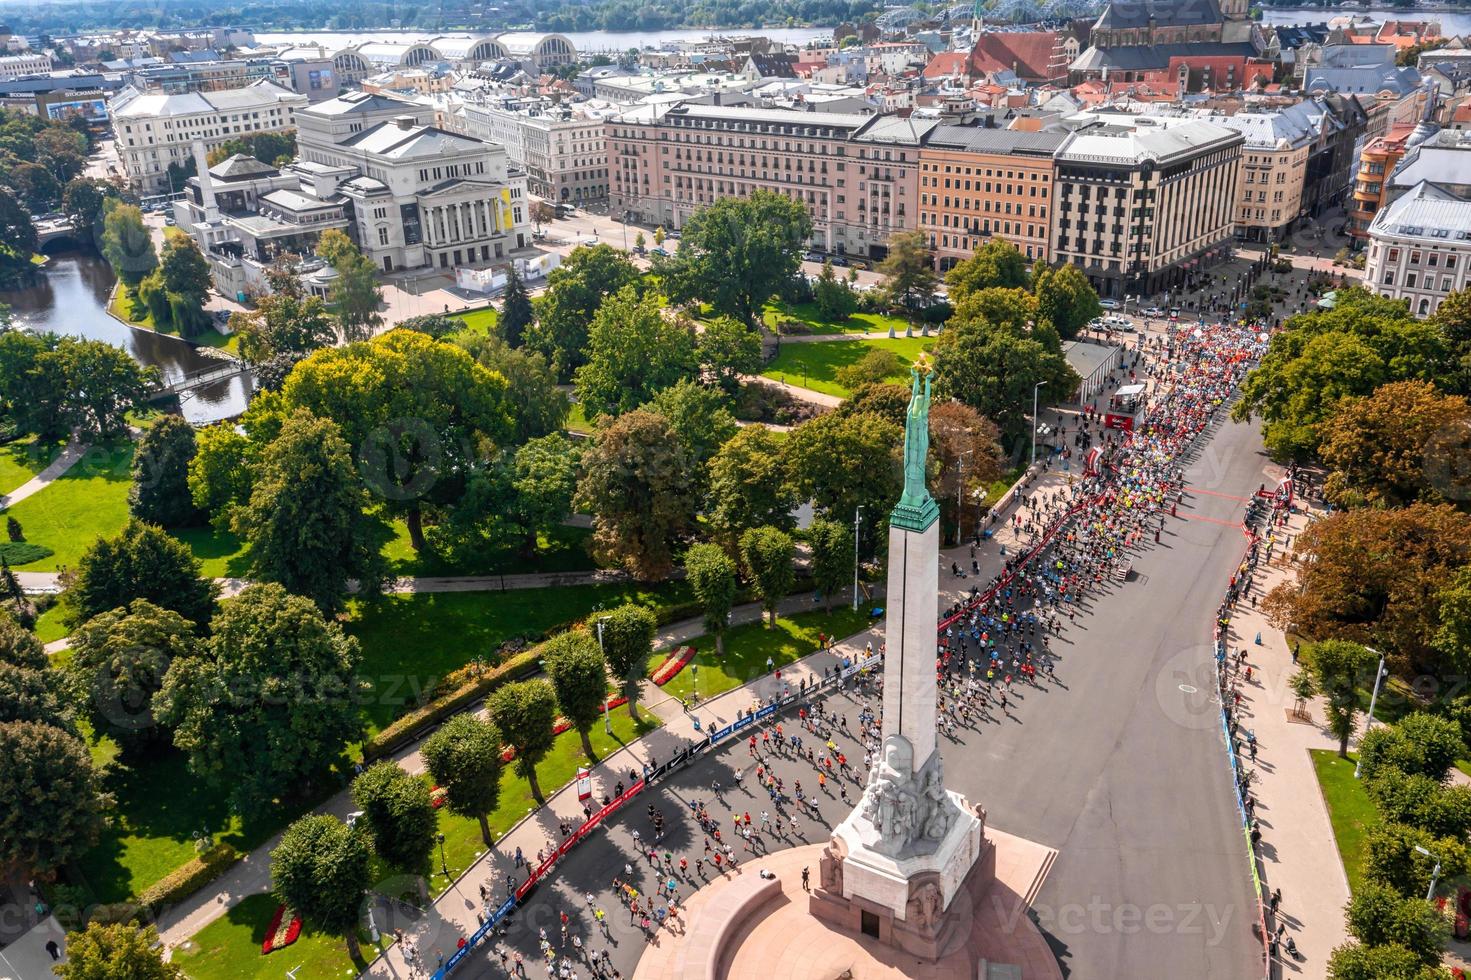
x=161 y=104
x=981 y=139
x=1128 y=14
x=402 y=139
x=1427 y=212
x=1131 y=139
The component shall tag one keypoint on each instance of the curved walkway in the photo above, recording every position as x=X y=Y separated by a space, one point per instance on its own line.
x=75 y=450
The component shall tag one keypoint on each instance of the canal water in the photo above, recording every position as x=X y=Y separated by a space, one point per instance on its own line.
x=70 y=298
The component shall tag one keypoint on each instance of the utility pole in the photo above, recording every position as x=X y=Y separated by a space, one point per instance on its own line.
x=607 y=722
x=1035 y=421
x=856 y=512
x=1378 y=676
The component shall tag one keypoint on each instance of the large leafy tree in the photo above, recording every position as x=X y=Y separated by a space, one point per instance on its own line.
x=50 y=798
x=767 y=554
x=287 y=323
x=965 y=445
x=997 y=264
x=118 y=663
x=141 y=561
x=748 y=485
x=628 y=642
x=30 y=694
x=579 y=676
x=1065 y=298
x=398 y=813
x=103 y=384
x=536 y=405
x=463 y=757
x=114 y=951
x=1379 y=916
x=160 y=491
x=994 y=370
x=221 y=471
x=728 y=349
x=543 y=484
x=712 y=577
x=843 y=462
x=1341 y=668
x=524 y=713
x=19 y=646
x=305 y=519
x=737 y=253
x=269 y=700
x=33 y=388
x=701 y=418
x=1355 y=961
x=1419 y=744
x=18 y=235
x=637 y=482
x=836 y=298
x=633 y=352
x=1377 y=576
x=321 y=870
x=1395 y=858
x=909 y=270
x=1400 y=443
x=575 y=290
x=354 y=295
x=413 y=411
x=82 y=200
x=832 y=558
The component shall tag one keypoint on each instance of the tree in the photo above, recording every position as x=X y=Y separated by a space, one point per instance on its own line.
x=103 y=384
x=995 y=372
x=700 y=417
x=1396 y=445
x=639 y=242
x=832 y=558
x=536 y=405
x=305 y=519
x=544 y=482
x=17 y=232
x=874 y=367
x=221 y=471
x=836 y=299
x=1340 y=669
x=575 y=290
x=1419 y=744
x=1379 y=916
x=114 y=951
x=33 y=388
x=463 y=757
x=1377 y=576
x=30 y=694
x=397 y=812
x=712 y=577
x=286 y=321
x=736 y=253
x=997 y=264
x=1355 y=961
x=321 y=870
x=269 y=700
x=659 y=236
x=516 y=313
x=118 y=663
x=748 y=486
x=726 y=350
x=909 y=270
x=633 y=352
x=963 y=443
x=354 y=297
x=1393 y=859
x=19 y=646
x=141 y=561
x=885 y=399
x=160 y=491
x=543 y=213
x=628 y=642
x=579 y=677
x=1065 y=298
x=440 y=326
x=767 y=554
x=524 y=713
x=82 y=200
x=637 y=482
x=49 y=797
x=841 y=463
x=184 y=268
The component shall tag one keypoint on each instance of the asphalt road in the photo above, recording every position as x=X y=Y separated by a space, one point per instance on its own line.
x=1115 y=765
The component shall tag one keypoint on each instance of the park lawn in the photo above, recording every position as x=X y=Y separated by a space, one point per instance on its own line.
x=997 y=487
x=123 y=302
x=1351 y=812
x=86 y=502
x=807 y=313
x=747 y=647
x=229 y=948
x=480 y=321
x=22 y=459
x=410 y=641
x=563 y=549
x=577 y=420
x=815 y=365
x=49 y=625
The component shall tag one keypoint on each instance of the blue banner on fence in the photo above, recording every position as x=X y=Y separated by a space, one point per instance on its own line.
x=485 y=929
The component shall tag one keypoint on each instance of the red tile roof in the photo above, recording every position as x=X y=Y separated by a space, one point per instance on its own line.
x=1028 y=53
x=948 y=63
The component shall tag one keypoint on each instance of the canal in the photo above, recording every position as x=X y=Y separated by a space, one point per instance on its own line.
x=70 y=298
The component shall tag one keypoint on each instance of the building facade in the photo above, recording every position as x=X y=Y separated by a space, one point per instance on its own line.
x=1376 y=163
x=30 y=63
x=1140 y=204
x=976 y=184
x=1274 y=160
x=563 y=149
x=1420 y=247
x=154 y=130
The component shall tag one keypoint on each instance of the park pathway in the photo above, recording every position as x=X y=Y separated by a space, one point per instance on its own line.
x=75 y=450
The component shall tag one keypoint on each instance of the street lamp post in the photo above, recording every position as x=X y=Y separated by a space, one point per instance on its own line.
x=1035 y=420
x=959 y=497
x=856 y=512
x=607 y=722
x=443 y=865
x=1434 y=875
x=1378 y=676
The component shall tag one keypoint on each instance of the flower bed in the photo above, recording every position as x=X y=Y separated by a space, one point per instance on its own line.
x=279 y=936
x=672 y=665
x=562 y=724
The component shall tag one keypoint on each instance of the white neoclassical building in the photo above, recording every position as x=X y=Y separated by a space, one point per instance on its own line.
x=1420 y=247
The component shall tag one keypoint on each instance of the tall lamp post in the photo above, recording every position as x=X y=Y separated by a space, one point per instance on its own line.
x=856 y=512
x=1035 y=388
x=1434 y=875
x=607 y=722
x=959 y=496
x=1378 y=676
x=443 y=865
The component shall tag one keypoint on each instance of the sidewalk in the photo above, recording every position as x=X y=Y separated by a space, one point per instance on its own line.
x=1298 y=848
x=74 y=451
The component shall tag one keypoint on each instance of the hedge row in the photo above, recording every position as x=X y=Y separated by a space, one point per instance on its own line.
x=189 y=877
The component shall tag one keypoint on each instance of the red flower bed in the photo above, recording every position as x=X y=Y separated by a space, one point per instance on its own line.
x=672 y=665
x=438 y=796
x=279 y=937
x=561 y=725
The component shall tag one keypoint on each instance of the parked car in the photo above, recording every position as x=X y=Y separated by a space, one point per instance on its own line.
x=656 y=250
x=1109 y=304
x=838 y=260
x=812 y=257
x=1119 y=323
x=1154 y=311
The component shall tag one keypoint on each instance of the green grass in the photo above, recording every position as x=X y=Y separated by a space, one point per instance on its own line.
x=564 y=549
x=1350 y=811
x=577 y=420
x=480 y=321
x=22 y=459
x=807 y=313
x=86 y=502
x=229 y=948
x=815 y=365
x=49 y=625
x=123 y=303
x=410 y=641
x=748 y=646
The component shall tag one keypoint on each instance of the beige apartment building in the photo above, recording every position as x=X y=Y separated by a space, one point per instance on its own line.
x=1274 y=165
x=857 y=175
x=976 y=184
